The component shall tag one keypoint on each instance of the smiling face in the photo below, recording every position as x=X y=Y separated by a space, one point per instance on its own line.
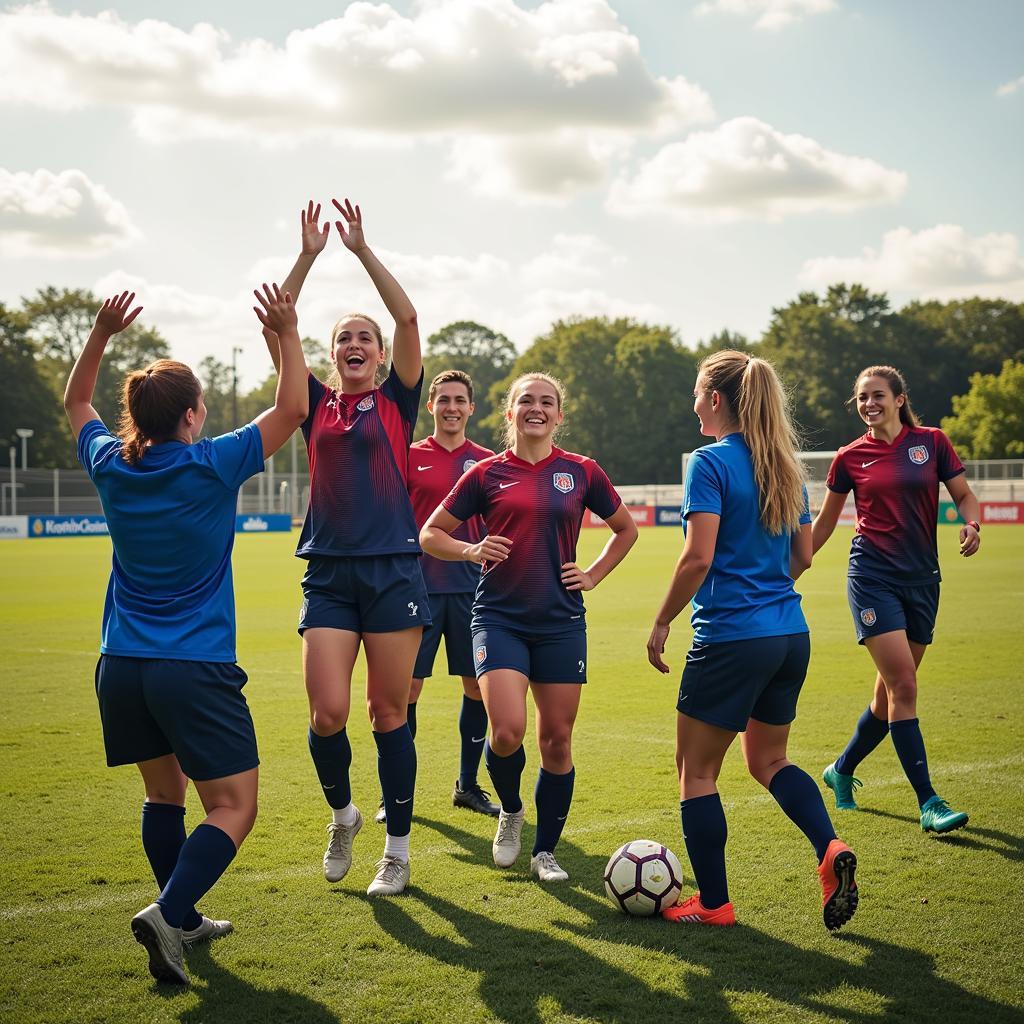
x=535 y=410
x=451 y=408
x=709 y=408
x=357 y=351
x=877 y=406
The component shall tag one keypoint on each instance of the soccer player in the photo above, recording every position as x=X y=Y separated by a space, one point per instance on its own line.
x=169 y=691
x=363 y=583
x=748 y=537
x=529 y=631
x=894 y=471
x=435 y=464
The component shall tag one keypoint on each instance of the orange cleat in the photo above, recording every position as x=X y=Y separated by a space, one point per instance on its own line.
x=692 y=911
x=839 y=890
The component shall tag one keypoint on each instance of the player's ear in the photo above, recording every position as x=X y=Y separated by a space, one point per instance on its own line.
x=430 y=407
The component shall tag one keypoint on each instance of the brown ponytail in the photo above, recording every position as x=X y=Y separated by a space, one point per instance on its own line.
x=897 y=385
x=153 y=401
x=761 y=407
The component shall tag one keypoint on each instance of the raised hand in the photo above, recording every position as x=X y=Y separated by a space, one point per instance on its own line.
x=113 y=316
x=352 y=230
x=278 y=311
x=313 y=239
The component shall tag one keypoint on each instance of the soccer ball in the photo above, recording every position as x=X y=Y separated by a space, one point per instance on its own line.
x=643 y=878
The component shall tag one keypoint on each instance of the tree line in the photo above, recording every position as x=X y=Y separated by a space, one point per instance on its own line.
x=629 y=383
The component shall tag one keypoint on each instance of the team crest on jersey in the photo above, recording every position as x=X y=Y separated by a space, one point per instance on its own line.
x=564 y=482
x=481 y=654
x=918 y=454
x=468 y=465
x=868 y=617
x=366 y=404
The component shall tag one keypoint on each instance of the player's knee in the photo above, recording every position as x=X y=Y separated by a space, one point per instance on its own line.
x=506 y=739
x=901 y=687
x=326 y=721
x=555 y=747
x=762 y=769
x=471 y=688
x=415 y=690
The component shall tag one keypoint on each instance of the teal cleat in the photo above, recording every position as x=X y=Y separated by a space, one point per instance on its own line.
x=843 y=787
x=937 y=816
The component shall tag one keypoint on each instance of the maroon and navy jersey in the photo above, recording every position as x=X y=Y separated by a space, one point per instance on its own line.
x=896 y=489
x=433 y=472
x=540 y=509
x=358 y=466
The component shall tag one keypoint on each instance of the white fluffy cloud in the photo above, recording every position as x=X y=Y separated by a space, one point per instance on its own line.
x=746 y=169
x=943 y=261
x=769 y=14
x=49 y=214
x=486 y=70
x=1009 y=88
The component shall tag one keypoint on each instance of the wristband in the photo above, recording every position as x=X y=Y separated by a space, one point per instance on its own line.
x=975 y=526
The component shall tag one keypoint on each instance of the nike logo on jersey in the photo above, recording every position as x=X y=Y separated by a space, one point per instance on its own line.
x=502 y=487
x=864 y=465
x=421 y=468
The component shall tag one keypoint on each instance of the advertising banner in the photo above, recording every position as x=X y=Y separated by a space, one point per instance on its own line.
x=643 y=515
x=263 y=522
x=13 y=527
x=67 y=526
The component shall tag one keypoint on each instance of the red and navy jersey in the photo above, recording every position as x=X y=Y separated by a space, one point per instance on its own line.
x=433 y=471
x=540 y=509
x=358 y=466
x=896 y=489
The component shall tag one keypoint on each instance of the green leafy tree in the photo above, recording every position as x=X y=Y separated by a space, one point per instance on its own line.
x=484 y=354
x=988 y=421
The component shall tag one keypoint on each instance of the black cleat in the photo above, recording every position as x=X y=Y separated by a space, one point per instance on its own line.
x=473 y=798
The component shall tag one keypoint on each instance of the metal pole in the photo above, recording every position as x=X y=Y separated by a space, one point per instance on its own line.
x=13 y=452
x=234 y=387
x=56 y=492
x=270 y=484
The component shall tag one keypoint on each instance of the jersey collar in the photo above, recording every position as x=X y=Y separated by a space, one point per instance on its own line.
x=533 y=467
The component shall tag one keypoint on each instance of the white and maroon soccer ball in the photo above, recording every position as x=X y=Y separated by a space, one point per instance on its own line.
x=643 y=878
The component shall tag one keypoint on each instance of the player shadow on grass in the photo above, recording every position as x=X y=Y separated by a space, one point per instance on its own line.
x=1006 y=844
x=225 y=996
x=884 y=981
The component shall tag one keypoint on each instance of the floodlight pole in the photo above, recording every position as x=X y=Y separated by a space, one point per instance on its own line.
x=24 y=433
x=13 y=452
x=235 y=351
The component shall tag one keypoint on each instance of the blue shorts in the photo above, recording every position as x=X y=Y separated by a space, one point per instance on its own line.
x=881 y=607
x=151 y=707
x=542 y=658
x=451 y=614
x=364 y=594
x=729 y=683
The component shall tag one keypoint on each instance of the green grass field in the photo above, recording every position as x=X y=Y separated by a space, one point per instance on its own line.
x=933 y=939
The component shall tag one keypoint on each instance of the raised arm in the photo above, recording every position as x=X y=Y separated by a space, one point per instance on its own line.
x=112 y=318
x=825 y=521
x=276 y=312
x=313 y=242
x=406 y=353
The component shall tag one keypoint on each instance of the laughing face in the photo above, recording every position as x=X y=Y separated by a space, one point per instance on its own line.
x=356 y=352
x=451 y=408
x=536 y=411
x=877 y=406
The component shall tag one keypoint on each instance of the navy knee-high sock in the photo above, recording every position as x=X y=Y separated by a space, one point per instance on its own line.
x=473 y=733
x=798 y=795
x=870 y=731
x=909 y=744
x=506 y=773
x=553 y=797
x=705 y=833
x=332 y=757
x=163 y=836
x=411 y=718
x=396 y=768
x=203 y=859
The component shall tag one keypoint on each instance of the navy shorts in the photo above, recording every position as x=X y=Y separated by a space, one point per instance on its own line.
x=151 y=707
x=542 y=658
x=881 y=607
x=729 y=683
x=364 y=594
x=451 y=614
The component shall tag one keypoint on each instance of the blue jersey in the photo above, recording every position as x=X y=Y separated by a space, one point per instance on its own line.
x=358 y=468
x=172 y=523
x=748 y=591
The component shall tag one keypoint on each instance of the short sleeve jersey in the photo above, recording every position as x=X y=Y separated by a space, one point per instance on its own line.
x=171 y=518
x=748 y=591
x=433 y=471
x=539 y=508
x=358 y=449
x=896 y=490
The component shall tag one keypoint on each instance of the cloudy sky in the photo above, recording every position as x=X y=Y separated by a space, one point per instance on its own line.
x=689 y=162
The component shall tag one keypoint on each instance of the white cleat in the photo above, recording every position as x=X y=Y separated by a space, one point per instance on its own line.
x=338 y=855
x=163 y=944
x=392 y=877
x=207 y=929
x=508 y=840
x=546 y=868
